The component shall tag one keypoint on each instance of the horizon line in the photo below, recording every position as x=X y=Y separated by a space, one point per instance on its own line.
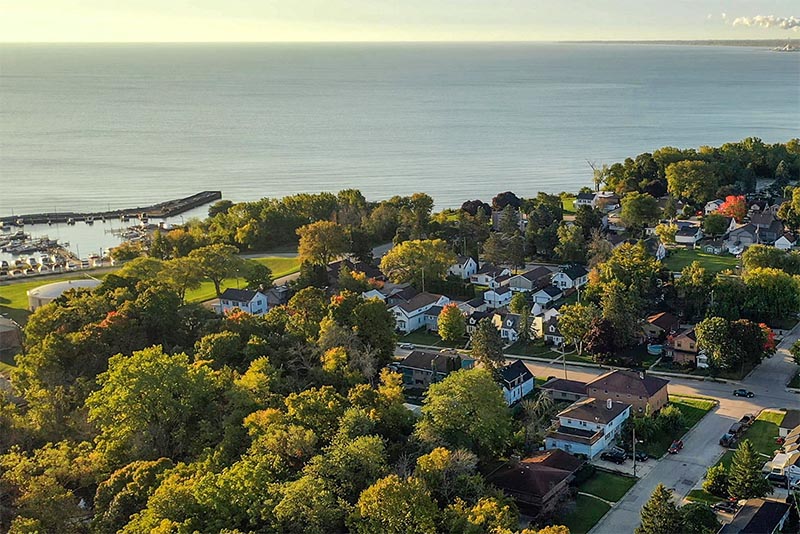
x=443 y=41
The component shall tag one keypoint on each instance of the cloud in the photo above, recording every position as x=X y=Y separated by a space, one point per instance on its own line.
x=768 y=21
x=725 y=17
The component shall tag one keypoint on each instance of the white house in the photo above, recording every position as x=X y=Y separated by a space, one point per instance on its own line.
x=529 y=280
x=253 y=302
x=588 y=427
x=584 y=199
x=488 y=276
x=497 y=298
x=551 y=331
x=474 y=318
x=786 y=242
x=572 y=276
x=464 y=267
x=540 y=318
x=688 y=234
x=411 y=315
x=473 y=305
x=547 y=295
x=517 y=381
x=713 y=205
x=508 y=324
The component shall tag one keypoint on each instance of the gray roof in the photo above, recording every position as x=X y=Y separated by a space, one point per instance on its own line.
x=575 y=271
x=562 y=384
x=426 y=361
x=434 y=311
x=515 y=370
x=585 y=196
x=552 y=291
x=419 y=301
x=629 y=382
x=595 y=410
x=757 y=516
x=535 y=274
x=238 y=295
x=791 y=419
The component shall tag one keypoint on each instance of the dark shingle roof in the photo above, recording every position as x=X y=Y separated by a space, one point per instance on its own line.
x=535 y=274
x=419 y=301
x=442 y=362
x=239 y=295
x=629 y=382
x=594 y=410
x=757 y=517
x=552 y=291
x=562 y=384
x=513 y=371
x=791 y=419
x=575 y=271
x=434 y=311
x=532 y=476
x=664 y=320
x=475 y=317
x=585 y=196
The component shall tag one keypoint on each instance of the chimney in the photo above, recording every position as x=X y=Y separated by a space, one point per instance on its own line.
x=609 y=404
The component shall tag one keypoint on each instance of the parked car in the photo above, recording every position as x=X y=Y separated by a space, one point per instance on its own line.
x=725 y=506
x=736 y=429
x=675 y=447
x=747 y=419
x=728 y=440
x=407 y=346
x=613 y=455
x=779 y=481
x=743 y=393
x=641 y=456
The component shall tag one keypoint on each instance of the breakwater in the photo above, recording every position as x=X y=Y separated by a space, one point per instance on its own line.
x=169 y=208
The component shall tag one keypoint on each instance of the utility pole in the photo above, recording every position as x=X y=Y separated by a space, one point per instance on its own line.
x=634 y=450
x=423 y=280
x=564 y=359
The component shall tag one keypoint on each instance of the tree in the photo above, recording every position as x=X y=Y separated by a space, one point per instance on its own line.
x=217 y=262
x=659 y=514
x=666 y=233
x=716 y=482
x=126 y=251
x=734 y=206
x=306 y=309
x=588 y=219
x=745 y=480
x=257 y=275
x=696 y=181
x=153 y=405
x=450 y=475
x=418 y=260
x=544 y=216
x=487 y=345
x=220 y=206
x=634 y=268
x=483 y=425
x=699 y=518
x=715 y=224
x=575 y=321
x=501 y=200
x=183 y=274
x=321 y=242
x=351 y=465
x=518 y=303
x=621 y=310
x=638 y=211
x=795 y=352
x=714 y=336
x=495 y=248
x=395 y=506
x=771 y=293
x=452 y=323
x=599 y=249
x=142 y=268
x=600 y=339
x=571 y=244
x=318 y=409
x=693 y=290
x=763 y=256
x=374 y=326
x=308 y=506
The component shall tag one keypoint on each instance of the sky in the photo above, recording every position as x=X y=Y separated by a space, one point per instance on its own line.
x=393 y=20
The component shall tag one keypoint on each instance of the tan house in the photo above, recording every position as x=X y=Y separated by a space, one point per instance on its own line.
x=637 y=389
x=561 y=389
x=682 y=347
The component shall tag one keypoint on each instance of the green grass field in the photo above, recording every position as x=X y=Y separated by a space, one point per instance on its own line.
x=726 y=459
x=608 y=486
x=567 y=204
x=588 y=511
x=278 y=265
x=693 y=410
x=764 y=431
x=535 y=348
x=678 y=259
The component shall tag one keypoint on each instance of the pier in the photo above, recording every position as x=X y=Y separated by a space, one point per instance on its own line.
x=162 y=210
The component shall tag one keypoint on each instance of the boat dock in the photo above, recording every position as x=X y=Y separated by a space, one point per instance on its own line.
x=162 y=210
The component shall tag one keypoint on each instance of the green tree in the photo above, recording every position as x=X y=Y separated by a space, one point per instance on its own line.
x=307 y=308
x=699 y=518
x=716 y=482
x=395 y=506
x=257 y=275
x=318 y=409
x=487 y=345
x=621 y=310
x=763 y=256
x=666 y=233
x=308 y=506
x=351 y=465
x=221 y=348
x=483 y=426
x=321 y=242
x=745 y=480
x=659 y=514
x=450 y=475
x=183 y=274
x=588 y=219
x=714 y=336
x=518 y=303
x=452 y=323
x=795 y=352
x=571 y=243
x=217 y=262
x=575 y=320
x=638 y=211
x=715 y=224
x=374 y=326
x=771 y=293
x=693 y=290
x=696 y=181
x=142 y=268
x=413 y=261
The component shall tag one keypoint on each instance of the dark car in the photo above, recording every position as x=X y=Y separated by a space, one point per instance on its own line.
x=747 y=419
x=615 y=456
x=780 y=481
x=725 y=506
x=743 y=393
x=728 y=440
x=641 y=456
x=675 y=447
x=736 y=429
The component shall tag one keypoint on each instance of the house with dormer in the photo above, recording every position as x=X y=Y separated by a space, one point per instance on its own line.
x=570 y=277
x=248 y=300
x=411 y=315
x=463 y=268
x=530 y=280
x=490 y=275
x=508 y=324
x=497 y=298
x=517 y=381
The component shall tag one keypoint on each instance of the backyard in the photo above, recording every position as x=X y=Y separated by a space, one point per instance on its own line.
x=422 y=337
x=535 y=348
x=594 y=495
x=680 y=258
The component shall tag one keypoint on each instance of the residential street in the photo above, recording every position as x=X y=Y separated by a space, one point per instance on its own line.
x=682 y=471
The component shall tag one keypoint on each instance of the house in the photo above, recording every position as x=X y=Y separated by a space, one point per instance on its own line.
x=422 y=368
x=521 y=218
x=488 y=274
x=561 y=389
x=432 y=318
x=617 y=240
x=537 y=484
x=517 y=381
x=791 y=442
x=474 y=318
x=790 y=422
x=497 y=298
x=713 y=205
x=769 y=228
x=547 y=294
x=682 y=347
x=472 y=306
x=606 y=201
x=688 y=234
x=713 y=246
x=758 y=516
x=250 y=301
x=741 y=237
x=410 y=315
x=659 y=325
x=647 y=394
x=508 y=324
x=464 y=267
x=529 y=280
x=786 y=242
x=540 y=318
x=551 y=332
x=588 y=427
x=571 y=276
x=584 y=199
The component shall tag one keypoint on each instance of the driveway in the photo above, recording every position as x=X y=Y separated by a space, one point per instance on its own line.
x=682 y=471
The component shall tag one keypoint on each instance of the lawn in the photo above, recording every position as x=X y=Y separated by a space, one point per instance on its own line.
x=568 y=205
x=423 y=337
x=587 y=512
x=535 y=348
x=14 y=297
x=699 y=495
x=279 y=266
x=678 y=259
x=693 y=410
x=726 y=460
x=608 y=486
x=763 y=432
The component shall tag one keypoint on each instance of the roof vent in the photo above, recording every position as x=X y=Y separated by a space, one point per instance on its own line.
x=609 y=403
